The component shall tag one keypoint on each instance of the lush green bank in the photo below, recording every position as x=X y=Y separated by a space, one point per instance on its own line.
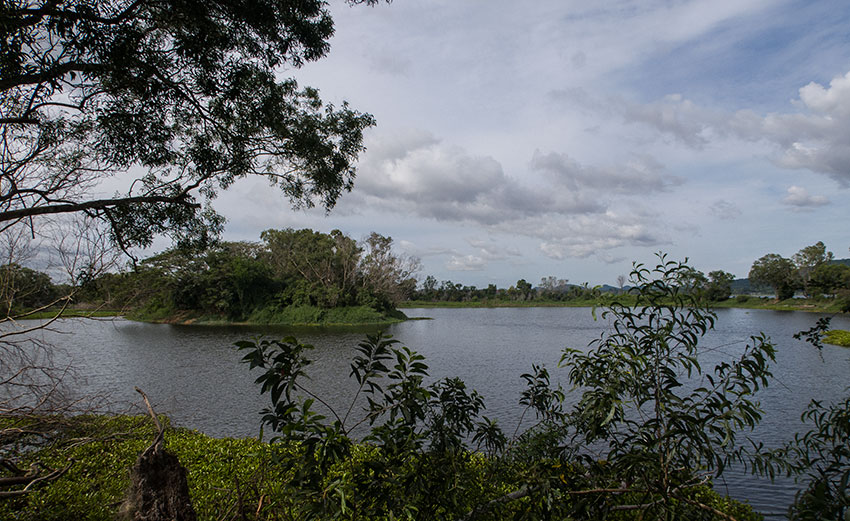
x=287 y=316
x=237 y=478
x=837 y=337
x=743 y=302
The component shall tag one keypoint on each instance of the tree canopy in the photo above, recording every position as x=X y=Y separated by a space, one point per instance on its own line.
x=178 y=99
x=775 y=271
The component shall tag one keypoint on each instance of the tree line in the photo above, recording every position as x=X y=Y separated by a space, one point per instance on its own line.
x=716 y=286
x=812 y=270
x=288 y=268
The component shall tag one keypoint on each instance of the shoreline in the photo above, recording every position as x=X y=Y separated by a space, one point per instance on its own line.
x=808 y=306
x=186 y=319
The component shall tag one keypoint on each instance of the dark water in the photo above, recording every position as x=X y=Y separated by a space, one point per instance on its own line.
x=193 y=373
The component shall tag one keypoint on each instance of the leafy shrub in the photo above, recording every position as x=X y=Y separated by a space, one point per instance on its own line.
x=740 y=299
x=663 y=444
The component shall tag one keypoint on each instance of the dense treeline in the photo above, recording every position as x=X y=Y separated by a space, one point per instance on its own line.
x=298 y=275
x=291 y=276
x=715 y=287
x=812 y=270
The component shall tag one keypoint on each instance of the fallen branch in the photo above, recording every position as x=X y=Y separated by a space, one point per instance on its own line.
x=30 y=480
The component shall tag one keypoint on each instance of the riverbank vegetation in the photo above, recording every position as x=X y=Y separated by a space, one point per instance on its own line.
x=837 y=337
x=243 y=479
x=822 y=282
x=291 y=277
x=635 y=443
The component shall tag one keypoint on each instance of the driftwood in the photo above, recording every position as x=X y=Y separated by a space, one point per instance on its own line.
x=20 y=477
x=159 y=490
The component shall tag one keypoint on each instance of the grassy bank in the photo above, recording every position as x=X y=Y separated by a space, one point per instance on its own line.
x=287 y=316
x=743 y=302
x=584 y=303
x=837 y=337
x=241 y=478
x=76 y=313
x=791 y=304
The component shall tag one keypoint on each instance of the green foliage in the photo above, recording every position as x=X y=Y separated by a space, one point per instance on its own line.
x=823 y=454
x=830 y=278
x=24 y=289
x=188 y=92
x=719 y=286
x=837 y=337
x=294 y=277
x=104 y=448
x=662 y=443
x=248 y=479
x=776 y=272
x=809 y=259
x=663 y=437
x=311 y=315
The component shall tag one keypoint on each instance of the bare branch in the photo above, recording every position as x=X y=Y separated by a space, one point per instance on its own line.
x=100 y=204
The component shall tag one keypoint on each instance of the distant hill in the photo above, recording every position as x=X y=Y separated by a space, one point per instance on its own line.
x=845 y=262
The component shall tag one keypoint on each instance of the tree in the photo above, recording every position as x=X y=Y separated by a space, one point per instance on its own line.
x=388 y=275
x=184 y=93
x=829 y=278
x=637 y=440
x=163 y=104
x=719 y=286
x=552 y=287
x=319 y=269
x=807 y=260
x=777 y=272
x=524 y=290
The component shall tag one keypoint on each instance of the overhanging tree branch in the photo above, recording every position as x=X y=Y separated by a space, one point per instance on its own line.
x=100 y=204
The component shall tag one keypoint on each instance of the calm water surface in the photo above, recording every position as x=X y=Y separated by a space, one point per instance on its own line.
x=193 y=373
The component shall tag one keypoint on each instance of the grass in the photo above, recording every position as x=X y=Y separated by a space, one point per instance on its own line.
x=743 y=302
x=75 y=313
x=274 y=316
x=582 y=303
x=837 y=337
x=228 y=478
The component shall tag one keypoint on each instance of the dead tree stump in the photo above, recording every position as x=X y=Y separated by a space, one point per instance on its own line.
x=158 y=490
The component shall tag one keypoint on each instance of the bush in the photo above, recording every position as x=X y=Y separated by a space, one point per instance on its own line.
x=740 y=299
x=663 y=443
x=247 y=479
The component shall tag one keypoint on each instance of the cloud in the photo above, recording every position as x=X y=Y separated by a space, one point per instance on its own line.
x=584 y=236
x=493 y=249
x=416 y=173
x=640 y=176
x=416 y=251
x=466 y=263
x=800 y=199
x=725 y=209
x=816 y=137
x=674 y=116
x=564 y=204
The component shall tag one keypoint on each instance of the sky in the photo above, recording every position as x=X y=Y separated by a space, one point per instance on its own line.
x=571 y=139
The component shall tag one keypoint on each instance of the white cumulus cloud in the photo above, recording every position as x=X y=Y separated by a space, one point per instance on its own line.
x=800 y=199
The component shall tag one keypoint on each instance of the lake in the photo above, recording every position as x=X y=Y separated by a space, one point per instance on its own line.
x=193 y=374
